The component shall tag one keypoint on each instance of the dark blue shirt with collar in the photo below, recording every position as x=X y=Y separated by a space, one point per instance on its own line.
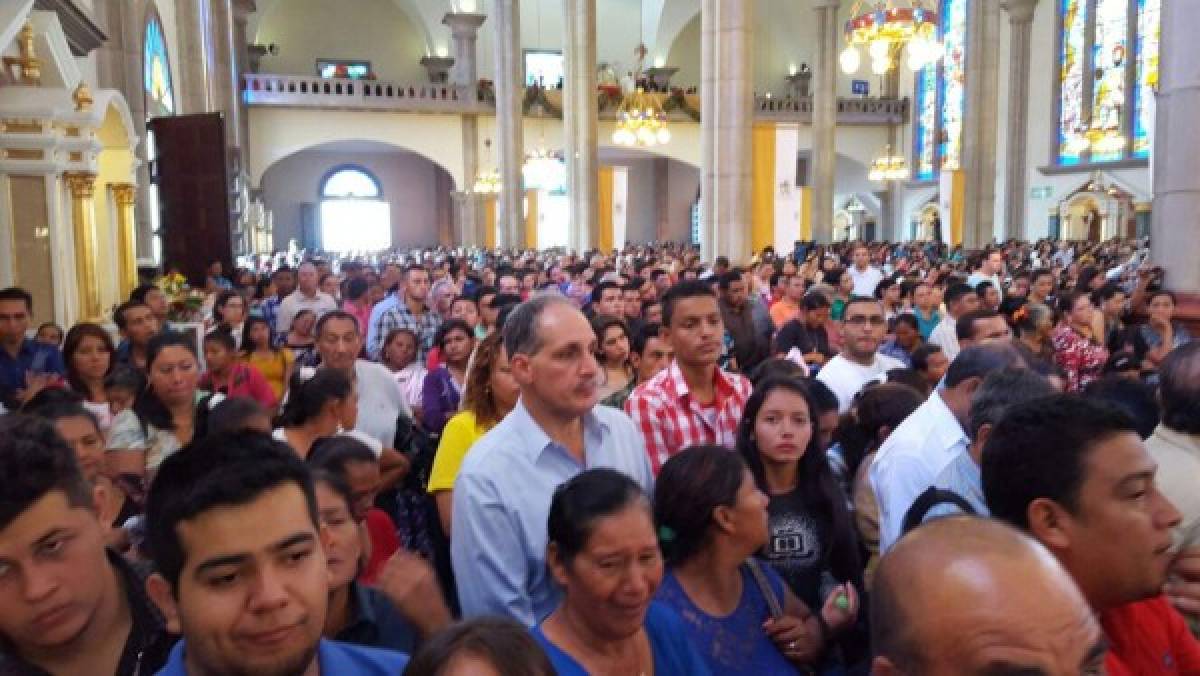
x=374 y=621
x=33 y=357
x=333 y=659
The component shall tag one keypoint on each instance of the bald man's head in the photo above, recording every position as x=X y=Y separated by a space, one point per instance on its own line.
x=973 y=597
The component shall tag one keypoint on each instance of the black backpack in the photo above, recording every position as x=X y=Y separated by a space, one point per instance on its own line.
x=932 y=497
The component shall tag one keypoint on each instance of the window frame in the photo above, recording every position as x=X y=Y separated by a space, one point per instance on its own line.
x=151 y=18
x=356 y=168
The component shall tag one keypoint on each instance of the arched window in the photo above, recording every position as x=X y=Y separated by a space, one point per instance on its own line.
x=156 y=70
x=354 y=216
x=941 y=98
x=1108 y=70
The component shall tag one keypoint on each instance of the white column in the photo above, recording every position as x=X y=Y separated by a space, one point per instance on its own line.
x=464 y=29
x=579 y=122
x=823 y=166
x=1020 y=23
x=194 y=57
x=510 y=143
x=980 y=124
x=729 y=97
x=1173 y=241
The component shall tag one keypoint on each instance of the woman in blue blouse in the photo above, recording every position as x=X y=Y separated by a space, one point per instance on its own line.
x=604 y=554
x=712 y=519
x=443 y=387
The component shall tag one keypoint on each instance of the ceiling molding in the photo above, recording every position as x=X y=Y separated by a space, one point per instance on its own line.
x=83 y=35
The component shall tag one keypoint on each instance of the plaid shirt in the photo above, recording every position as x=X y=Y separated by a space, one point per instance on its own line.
x=670 y=420
x=270 y=312
x=400 y=317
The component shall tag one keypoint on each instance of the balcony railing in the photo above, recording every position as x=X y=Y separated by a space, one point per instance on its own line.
x=300 y=91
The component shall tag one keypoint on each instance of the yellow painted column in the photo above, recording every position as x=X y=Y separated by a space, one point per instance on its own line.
x=531 y=219
x=806 y=213
x=489 y=223
x=83 y=218
x=954 y=182
x=762 y=186
x=124 y=194
x=604 y=207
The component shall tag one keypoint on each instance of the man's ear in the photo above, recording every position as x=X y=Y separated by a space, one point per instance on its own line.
x=159 y=591
x=1049 y=524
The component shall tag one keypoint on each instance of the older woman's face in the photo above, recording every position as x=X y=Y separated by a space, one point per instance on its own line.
x=344 y=546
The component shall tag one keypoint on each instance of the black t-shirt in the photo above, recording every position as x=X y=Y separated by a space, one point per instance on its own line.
x=796 y=334
x=797 y=545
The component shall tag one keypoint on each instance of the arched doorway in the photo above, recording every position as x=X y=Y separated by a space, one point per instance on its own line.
x=353 y=213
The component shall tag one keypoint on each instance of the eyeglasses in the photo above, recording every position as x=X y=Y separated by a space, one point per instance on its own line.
x=860 y=320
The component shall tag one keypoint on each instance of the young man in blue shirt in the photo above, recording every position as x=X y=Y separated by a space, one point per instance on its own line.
x=26 y=366
x=232 y=527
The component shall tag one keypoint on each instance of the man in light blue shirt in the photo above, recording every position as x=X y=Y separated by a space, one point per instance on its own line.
x=1000 y=391
x=503 y=491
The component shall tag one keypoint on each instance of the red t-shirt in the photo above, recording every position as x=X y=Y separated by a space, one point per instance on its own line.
x=1149 y=638
x=384 y=543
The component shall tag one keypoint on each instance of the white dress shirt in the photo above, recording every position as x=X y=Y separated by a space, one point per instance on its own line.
x=910 y=460
x=945 y=335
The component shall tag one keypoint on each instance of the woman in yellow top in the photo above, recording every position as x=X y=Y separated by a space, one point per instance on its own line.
x=258 y=350
x=489 y=395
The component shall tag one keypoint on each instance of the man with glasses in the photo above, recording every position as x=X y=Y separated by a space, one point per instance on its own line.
x=863 y=327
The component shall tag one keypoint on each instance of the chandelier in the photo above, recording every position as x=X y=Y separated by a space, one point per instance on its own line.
x=1098 y=138
x=888 y=29
x=888 y=167
x=544 y=170
x=488 y=182
x=641 y=121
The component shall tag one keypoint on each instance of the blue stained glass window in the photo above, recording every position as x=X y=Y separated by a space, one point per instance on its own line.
x=940 y=97
x=1149 y=31
x=156 y=71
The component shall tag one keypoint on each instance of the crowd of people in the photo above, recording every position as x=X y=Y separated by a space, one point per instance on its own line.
x=850 y=459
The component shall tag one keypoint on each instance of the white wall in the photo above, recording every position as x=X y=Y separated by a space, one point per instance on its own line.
x=372 y=30
x=408 y=180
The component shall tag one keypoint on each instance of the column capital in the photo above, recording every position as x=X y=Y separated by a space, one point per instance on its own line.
x=81 y=183
x=124 y=193
x=242 y=9
x=464 y=24
x=1020 y=11
x=826 y=4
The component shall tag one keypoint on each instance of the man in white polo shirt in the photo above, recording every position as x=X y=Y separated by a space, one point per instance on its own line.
x=863 y=327
x=865 y=277
x=306 y=297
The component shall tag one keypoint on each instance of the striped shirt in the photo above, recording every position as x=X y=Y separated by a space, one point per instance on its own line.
x=671 y=420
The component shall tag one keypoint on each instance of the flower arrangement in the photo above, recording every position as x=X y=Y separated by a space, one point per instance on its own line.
x=184 y=302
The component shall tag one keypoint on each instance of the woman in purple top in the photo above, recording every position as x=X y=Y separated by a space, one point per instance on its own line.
x=443 y=387
x=712 y=518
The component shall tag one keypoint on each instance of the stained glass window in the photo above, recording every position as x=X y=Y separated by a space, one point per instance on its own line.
x=156 y=67
x=1108 y=70
x=954 y=81
x=926 y=128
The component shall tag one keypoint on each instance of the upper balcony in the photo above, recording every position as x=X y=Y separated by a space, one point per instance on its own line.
x=310 y=91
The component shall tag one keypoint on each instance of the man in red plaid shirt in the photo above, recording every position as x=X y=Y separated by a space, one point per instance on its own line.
x=692 y=401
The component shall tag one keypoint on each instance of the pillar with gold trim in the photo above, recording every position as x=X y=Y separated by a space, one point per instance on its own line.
x=83 y=219
x=125 y=196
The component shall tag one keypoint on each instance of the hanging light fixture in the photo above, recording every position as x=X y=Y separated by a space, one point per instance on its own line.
x=888 y=167
x=544 y=169
x=641 y=121
x=886 y=30
x=488 y=182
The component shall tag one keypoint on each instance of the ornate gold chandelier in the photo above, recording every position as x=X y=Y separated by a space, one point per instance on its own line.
x=488 y=182
x=886 y=30
x=888 y=167
x=641 y=121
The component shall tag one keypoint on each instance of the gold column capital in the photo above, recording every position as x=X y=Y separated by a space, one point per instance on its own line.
x=81 y=183
x=124 y=193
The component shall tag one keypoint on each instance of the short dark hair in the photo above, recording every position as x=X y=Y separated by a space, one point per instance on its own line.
x=860 y=300
x=599 y=289
x=1133 y=397
x=690 y=486
x=816 y=301
x=1179 y=388
x=964 y=327
x=139 y=294
x=35 y=461
x=336 y=315
x=583 y=500
x=642 y=337
x=823 y=397
x=17 y=293
x=119 y=313
x=449 y=326
x=920 y=356
x=978 y=361
x=222 y=337
x=217 y=471
x=908 y=319
x=726 y=280
x=683 y=291
x=1039 y=450
x=999 y=392
x=501 y=642
x=956 y=292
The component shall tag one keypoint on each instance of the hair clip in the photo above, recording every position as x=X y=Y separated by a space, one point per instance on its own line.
x=665 y=533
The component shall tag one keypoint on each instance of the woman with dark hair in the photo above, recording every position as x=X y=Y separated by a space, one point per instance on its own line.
x=88 y=356
x=878 y=411
x=1078 y=351
x=320 y=403
x=1161 y=333
x=778 y=439
x=491 y=393
x=443 y=386
x=400 y=357
x=259 y=351
x=712 y=519
x=161 y=421
x=842 y=283
x=612 y=351
x=300 y=338
x=603 y=552
x=484 y=646
x=229 y=313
